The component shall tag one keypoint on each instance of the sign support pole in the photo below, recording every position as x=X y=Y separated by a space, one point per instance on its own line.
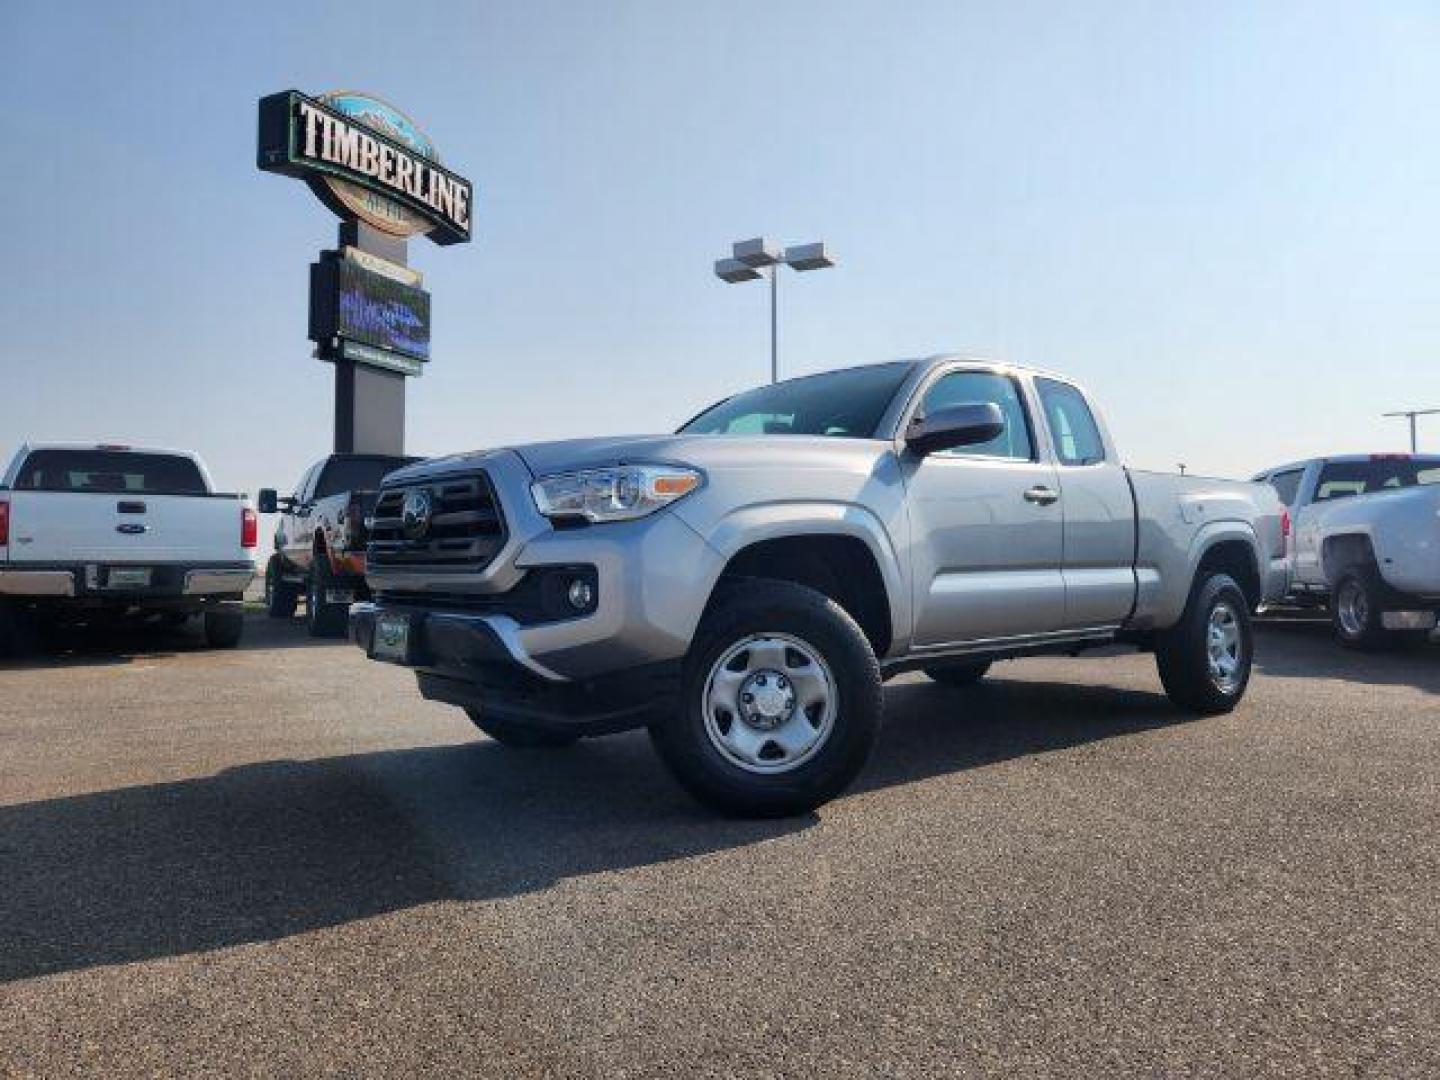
x=369 y=402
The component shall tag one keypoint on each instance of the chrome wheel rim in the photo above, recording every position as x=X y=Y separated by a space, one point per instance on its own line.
x=769 y=703
x=1353 y=608
x=1225 y=646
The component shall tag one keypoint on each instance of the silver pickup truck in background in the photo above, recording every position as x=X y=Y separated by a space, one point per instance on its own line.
x=744 y=586
x=1367 y=542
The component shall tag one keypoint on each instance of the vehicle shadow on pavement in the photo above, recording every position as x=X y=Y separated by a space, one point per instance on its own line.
x=95 y=646
x=932 y=729
x=1297 y=648
x=261 y=852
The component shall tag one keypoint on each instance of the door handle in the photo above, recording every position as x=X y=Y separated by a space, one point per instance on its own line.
x=1042 y=495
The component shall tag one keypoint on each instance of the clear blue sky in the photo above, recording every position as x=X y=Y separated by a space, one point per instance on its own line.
x=1224 y=218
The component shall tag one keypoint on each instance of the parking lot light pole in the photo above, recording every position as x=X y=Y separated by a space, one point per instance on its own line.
x=761 y=257
x=1411 y=414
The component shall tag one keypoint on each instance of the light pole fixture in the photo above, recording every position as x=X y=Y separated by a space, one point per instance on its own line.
x=762 y=258
x=1411 y=414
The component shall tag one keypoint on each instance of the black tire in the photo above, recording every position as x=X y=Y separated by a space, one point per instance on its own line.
x=17 y=632
x=1182 y=653
x=826 y=769
x=223 y=629
x=1357 y=605
x=281 y=597
x=958 y=674
x=323 y=620
x=519 y=736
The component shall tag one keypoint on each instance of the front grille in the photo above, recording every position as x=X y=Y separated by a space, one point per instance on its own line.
x=465 y=531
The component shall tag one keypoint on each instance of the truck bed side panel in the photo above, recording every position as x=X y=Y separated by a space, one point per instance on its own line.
x=1403 y=528
x=1182 y=517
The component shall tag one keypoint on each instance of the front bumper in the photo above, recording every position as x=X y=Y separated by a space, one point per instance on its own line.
x=479 y=662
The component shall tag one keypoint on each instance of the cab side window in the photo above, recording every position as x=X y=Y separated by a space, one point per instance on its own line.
x=1287 y=485
x=1072 y=425
x=972 y=387
x=302 y=489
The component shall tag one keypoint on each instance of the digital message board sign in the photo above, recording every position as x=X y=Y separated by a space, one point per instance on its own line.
x=359 y=314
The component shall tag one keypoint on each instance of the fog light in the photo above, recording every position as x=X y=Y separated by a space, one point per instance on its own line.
x=581 y=594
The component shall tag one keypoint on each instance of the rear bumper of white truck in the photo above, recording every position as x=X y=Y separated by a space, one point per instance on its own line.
x=38 y=583
x=98 y=583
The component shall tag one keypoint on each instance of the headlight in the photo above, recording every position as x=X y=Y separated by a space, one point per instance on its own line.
x=623 y=493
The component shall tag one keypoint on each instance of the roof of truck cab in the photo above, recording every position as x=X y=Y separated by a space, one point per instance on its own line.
x=118 y=448
x=1347 y=459
x=937 y=359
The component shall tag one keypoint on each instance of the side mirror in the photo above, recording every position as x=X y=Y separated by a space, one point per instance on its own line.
x=267 y=502
x=970 y=424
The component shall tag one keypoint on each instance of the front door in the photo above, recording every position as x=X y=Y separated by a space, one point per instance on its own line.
x=985 y=524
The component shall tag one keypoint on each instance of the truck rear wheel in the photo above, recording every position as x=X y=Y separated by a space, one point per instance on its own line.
x=322 y=618
x=519 y=735
x=780 y=703
x=17 y=636
x=958 y=674
x=1357 y=612
x=224 y=628
x=1205 y=658
x=281 y=597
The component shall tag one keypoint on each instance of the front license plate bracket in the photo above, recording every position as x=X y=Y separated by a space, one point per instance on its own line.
x=392 y=638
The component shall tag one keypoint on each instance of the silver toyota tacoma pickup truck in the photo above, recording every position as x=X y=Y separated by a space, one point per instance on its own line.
x=744 y=587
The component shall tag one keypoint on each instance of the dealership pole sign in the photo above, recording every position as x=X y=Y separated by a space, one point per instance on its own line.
x=365 y=158
x=369 y=313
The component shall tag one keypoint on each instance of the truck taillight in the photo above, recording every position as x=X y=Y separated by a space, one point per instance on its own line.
x=4 y=522
x=249 y=528
x=1284 y=523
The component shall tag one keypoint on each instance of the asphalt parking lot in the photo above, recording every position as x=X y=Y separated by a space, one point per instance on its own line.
x=281 y=861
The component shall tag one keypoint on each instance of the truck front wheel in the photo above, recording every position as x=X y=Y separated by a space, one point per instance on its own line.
x=281 y=597
x=1205 y=658
x=323 y=618
x=518 y=735
x=780 y=703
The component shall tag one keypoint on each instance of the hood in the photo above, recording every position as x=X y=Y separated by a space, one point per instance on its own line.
x=702 y=451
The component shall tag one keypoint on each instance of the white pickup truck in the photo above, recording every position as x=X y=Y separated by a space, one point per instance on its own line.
x=1366 y=541
x=96 y=532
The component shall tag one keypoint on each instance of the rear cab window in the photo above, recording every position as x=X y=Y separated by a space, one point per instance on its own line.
x=1073 y=428
x=1344 y=479
x=1287 y=485
x=123 y=472
x=357 y=474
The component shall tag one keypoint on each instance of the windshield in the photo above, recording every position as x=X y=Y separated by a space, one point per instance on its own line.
x=357 y=473
x=842 y=403
x=1341 y=479
x=110 y=471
